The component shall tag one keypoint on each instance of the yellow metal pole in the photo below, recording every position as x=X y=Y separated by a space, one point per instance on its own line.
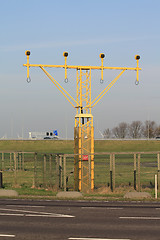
x=92 y=155
x=65 y=54
x=102 y=67
x=28 y=54
x=80 y=90
x=137 y=57
x=80 y=154
x=80 y=130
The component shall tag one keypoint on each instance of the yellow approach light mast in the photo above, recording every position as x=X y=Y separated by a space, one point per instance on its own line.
x=83 y=130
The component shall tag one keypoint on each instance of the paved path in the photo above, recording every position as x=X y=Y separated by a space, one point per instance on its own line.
x=78 y=220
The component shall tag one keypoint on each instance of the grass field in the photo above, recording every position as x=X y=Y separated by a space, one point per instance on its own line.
x=67 y=146
x=124 y=164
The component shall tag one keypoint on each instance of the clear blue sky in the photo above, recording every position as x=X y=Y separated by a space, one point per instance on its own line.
x=120 y=29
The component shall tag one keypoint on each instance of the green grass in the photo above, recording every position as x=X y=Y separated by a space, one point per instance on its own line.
x=124 y=164
x=127 y=146
x=67 y=146
x=41 y=146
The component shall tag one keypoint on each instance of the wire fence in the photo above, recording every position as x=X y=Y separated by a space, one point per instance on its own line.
x=29 y=169
x=56 y=171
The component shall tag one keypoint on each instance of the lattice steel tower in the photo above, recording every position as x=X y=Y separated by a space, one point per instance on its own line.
x=83 y=130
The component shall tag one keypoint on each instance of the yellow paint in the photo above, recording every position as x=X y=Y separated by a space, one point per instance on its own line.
x=83 y=119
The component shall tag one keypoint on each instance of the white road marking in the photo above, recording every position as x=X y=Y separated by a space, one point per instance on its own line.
x=36 y=215
x=24 y=206
x=7 y=235
x=96 y=239
x=110 y=208
x=141 y=218
x=114 y=208
x=52 y=216
x=33 y=213
x=26 y=211
x=12 y=214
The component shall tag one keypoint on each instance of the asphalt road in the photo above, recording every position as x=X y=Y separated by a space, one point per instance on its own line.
x=79 y=220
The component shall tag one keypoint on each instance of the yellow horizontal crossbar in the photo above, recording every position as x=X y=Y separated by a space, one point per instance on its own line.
x=80 y=67
x=85 y=115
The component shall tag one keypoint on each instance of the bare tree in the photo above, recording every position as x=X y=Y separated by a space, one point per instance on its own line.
x=149 y=129
x=135 y=129
x=121 y=130
x=107 y=133
x=157 y=131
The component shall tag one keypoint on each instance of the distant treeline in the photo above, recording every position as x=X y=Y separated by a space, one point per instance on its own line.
x=135 y=130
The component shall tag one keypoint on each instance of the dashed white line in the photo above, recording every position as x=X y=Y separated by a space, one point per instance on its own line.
x=36 y=215
x=141 y=218
x=7 y=235
x=108 y=208
x=96 y=239
x=12 y=214
x=114 y=208
x=24 y=206
x=53 y=215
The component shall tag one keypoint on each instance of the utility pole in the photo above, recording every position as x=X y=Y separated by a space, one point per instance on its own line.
x=83 y=130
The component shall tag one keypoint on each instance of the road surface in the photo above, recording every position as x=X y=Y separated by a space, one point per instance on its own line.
x=79 y=220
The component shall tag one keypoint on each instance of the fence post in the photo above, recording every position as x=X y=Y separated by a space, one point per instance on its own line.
x=50 y=170
x=60 y=171
x=155 y=186
x=23 y=161
x=64 y=166
x=1 y=179
x=20 y=161
x=158 y=160
x=17 y=161
x=135 y=163
x=44 y=171
x=15 y=168
x=111 y=169
x=139 y=172
x=35 y=171
x=57 y=172
x=10 y=161
x=2 y=161
x=114 y=175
